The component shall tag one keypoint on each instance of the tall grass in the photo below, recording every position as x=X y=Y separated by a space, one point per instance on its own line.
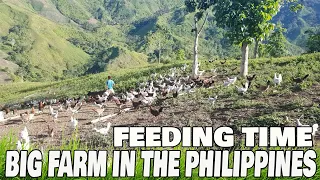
x=8 y=143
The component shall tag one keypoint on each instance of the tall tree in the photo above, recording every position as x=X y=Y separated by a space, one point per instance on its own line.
x=199 y=8
x=313 y=42
x=247 y=20
x=157 y=40
x=276 y=46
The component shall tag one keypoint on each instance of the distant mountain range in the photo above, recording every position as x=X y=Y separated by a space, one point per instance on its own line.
x=57 y=39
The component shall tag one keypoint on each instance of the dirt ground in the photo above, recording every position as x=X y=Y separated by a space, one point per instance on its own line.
x=38 y=127
x=177 y=113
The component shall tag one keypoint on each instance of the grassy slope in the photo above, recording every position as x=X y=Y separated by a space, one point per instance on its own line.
x=6 y=21
x=126 y=78
x=298 y=23
x=51 y=53
x=128 y=60
x=19 y=92
x=266 y=112
x=50 y=39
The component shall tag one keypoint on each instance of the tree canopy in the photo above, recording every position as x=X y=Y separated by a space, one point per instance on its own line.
x=276 y=46
x=313 y=42
x=245 y=20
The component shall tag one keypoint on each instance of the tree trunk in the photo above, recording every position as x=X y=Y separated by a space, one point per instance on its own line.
x=256 y=49
x=245 y=59
x=197 y=32
x=195 y=67
x=159 y=52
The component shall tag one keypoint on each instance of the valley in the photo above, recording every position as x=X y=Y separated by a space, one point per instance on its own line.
x=170 y=69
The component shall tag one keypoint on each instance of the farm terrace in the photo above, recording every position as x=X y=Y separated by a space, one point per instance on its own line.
x=208 y=137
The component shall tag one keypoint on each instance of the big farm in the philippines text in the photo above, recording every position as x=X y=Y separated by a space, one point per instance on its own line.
x=173 y=152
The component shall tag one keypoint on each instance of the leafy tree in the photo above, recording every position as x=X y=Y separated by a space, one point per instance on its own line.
x=262 y=52
x=313 y=42
x=276 y=46
x=245 y=21
x=199 y=7
x=157 y=40
x=180 y=55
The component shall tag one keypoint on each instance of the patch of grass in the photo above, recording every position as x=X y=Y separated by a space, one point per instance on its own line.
x=269 y=120
x=245 y=103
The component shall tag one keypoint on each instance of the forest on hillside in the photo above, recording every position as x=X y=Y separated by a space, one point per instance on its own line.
x=75 y=38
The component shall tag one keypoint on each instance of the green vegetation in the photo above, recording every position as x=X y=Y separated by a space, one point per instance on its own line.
x=246 y=22
x=313 y=41
x=67 y=48
x=42 y=53
x=276 y=46
x=126 y=78
x=74 y=38
x=19 y=92
x=251 y=109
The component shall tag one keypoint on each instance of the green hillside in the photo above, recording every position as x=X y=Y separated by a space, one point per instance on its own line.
x=298 y=23
x=58 y=39
x=37 y=45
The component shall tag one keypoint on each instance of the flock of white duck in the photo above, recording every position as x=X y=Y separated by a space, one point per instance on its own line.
x=157 y=88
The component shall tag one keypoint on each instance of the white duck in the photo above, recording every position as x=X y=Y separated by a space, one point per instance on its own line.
x=99 y=105
x=243 y=89
x=147 y=100
x=130 y=96
x=184 y=67
x=51 y=109
x=232 y=80
x=55 y=115
x=314 y=129
x=213 y=70
x=103 y=131
x=74 y=122
x=178 y=89
x=144 y=94
x=200 y=73
x=1 y=116
x=314 y=126
x=24 y=134
x=60 y=107
x=213 y=99
x=299 y=124
x=163 y=85
x=277 y=79
x=153 y=75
